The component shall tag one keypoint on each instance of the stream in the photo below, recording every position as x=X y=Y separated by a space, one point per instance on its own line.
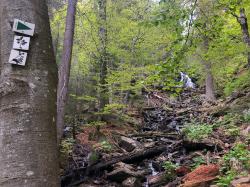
x=139 y=162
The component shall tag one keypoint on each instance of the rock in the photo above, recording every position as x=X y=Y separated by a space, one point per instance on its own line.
x=124 y=171
x=149 y=144
x=202 y=176
x=245 y=130
x=129 y=144
x=131 y=182
x=209 y=144
x=182 y=170
x=241 y=182
x=157 y=179
x=174 y=183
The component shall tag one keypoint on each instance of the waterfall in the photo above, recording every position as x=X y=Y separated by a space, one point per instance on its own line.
x=187 y=81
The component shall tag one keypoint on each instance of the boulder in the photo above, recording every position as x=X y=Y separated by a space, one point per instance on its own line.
x=129 y=144
x=201 y=176
x=131 y=182
x=157 y=180
x=182 y=170
x=124 y=171
x=241 y=182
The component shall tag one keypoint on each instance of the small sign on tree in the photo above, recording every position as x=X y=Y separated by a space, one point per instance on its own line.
x=23 y=27
x=21 y=42
x=17 y=57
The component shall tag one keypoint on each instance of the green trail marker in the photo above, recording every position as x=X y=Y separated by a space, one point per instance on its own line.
x=23 y=27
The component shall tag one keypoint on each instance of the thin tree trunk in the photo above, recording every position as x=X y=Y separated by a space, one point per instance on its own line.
x=210 y=91
x=28 y=149
x=64 y=71
x=102 y=5
x=56 y=41
x=242 y=20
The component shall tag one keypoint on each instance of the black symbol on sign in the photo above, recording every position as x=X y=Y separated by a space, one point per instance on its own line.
x=20 y=58
x=21 y=41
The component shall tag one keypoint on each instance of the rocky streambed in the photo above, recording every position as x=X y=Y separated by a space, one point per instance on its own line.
x=139 y=157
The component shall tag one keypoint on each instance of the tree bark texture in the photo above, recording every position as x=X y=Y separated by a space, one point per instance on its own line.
x=64 y=71
x=210 y=91
x=242 y=20
x=102 y=12
x=28 y=149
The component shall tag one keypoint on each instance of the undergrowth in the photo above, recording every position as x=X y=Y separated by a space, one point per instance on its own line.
x=235 y=162
x=238 y=84
x=197 y=131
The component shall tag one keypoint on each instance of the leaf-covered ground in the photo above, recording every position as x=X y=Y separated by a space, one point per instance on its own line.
x=185 y=141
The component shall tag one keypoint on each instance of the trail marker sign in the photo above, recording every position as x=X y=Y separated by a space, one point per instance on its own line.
x=17 y=57
x=21 y=42
x=23 y=27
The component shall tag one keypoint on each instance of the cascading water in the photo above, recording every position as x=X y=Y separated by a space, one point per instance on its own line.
x=153 y=173
x=187 y=81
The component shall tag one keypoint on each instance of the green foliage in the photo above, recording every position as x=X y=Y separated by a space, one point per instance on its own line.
x=86 y=98
x=114 y=108
x=66 y=147
x=225 y=180
x=234 y=162
x=197 y=161
x=228 y=120
x=229 y=123
x=233 y=131
x=246 y=116
x=149 y=43
x=240 y=154
x=239 y=83
x=97 y=124
x=93 y=157
x=104 y=145
x=169 y=170
x=197 y=131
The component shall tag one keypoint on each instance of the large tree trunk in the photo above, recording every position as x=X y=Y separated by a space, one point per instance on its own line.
x=28 y=149
x=242 y=19
x=64 y=71
x=102 y=6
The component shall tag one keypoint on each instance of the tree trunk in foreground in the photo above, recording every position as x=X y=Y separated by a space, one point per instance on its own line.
x=64 y=71
x=28 y=149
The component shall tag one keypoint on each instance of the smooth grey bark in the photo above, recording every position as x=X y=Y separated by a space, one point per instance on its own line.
x=64 y=70
x=210 y=91
x=102 y=13
x=28 y=148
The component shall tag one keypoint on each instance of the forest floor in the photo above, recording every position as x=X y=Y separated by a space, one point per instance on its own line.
x=168 y=142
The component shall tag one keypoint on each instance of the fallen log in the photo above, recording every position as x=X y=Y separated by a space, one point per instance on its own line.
x=155 y=134
x=133 y=157
x=104 y=164
x=129 y=158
